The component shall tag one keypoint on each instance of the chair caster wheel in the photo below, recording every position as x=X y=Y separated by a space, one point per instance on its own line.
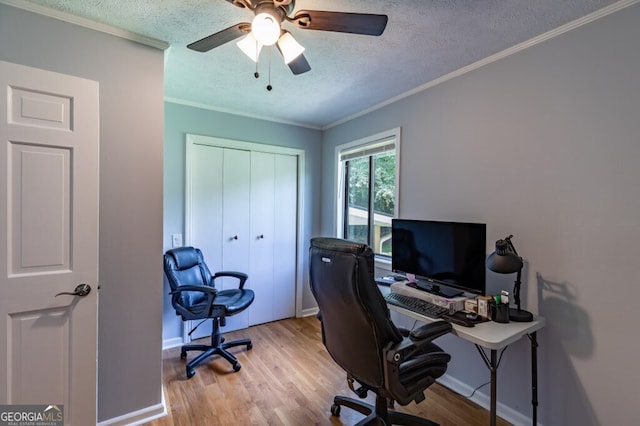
x=190 y=373
x=183 y=355
x=236 y=367
x=335 y=410
x=249 y=346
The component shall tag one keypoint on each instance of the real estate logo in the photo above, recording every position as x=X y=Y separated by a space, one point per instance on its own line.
x=31 y=415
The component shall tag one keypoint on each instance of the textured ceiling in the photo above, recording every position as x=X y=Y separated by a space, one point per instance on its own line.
x=349 y=73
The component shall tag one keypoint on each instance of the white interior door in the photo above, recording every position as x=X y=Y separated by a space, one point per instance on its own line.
x=49 y=130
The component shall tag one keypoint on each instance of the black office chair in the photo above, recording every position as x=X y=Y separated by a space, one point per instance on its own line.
x=194 y=297
x=360 y=336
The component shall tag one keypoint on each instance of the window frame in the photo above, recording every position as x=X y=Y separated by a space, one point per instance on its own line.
x=352 y=149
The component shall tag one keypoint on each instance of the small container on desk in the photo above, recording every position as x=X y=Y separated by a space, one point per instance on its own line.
x=499 y=312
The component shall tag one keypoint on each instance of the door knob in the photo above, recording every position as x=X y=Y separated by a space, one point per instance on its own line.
x=261 y=236
x=80 y=290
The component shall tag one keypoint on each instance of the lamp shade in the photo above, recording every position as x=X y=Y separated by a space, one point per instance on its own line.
x=250 y=46
x=289 y=47
x=504 y=260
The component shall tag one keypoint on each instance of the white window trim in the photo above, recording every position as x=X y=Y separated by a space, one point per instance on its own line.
x=339 y=178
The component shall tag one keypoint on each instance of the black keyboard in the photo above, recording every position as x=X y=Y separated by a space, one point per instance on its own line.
x=416 y=305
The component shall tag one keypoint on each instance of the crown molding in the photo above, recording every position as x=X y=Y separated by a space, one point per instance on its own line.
x=85 y=22
x=185 y=102
x=612 y=8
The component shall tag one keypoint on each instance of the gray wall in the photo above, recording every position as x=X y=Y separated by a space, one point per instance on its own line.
x=544 y=144
x=130 y=250
x=179 y=121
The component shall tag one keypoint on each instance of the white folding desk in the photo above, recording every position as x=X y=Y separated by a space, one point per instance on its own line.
x=493 y=336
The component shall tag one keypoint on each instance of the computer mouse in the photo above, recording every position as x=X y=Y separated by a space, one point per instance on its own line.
x=472 y=316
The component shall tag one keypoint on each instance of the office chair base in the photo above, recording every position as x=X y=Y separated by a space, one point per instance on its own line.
x=211 y=350
x=378 y=414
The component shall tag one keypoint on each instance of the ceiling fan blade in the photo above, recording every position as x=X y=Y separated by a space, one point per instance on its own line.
x=221 y=37
x=299 y=65
x=242 y=3
x=344 y=22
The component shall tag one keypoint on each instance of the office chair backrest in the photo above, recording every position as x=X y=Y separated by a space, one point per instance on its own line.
x=185 y=266
x=355 y=318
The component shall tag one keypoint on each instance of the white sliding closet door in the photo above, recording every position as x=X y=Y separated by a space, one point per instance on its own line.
x=219 y=217
x=262 y=236
x=236 y=189
x=206 y=206
x=273 y=236
x=285 y=235
x=242 y=211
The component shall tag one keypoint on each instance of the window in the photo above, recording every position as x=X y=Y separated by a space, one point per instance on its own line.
x=367 y=190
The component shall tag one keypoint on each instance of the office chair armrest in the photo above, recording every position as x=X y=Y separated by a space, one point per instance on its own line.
x=239 y=275
x=187 y=312
x=200 y=288
x=431 y=331
x=415 y=362
x=417 y=340
x=210 y=291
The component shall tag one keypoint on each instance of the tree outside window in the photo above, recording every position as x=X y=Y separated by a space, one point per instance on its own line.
x=370 y=188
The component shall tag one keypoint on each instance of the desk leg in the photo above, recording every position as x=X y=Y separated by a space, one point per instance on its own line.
x=494 y=387
x=534 y=376
x=492 y=364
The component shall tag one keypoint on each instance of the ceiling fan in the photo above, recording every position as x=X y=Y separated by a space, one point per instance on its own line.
x=266 y=29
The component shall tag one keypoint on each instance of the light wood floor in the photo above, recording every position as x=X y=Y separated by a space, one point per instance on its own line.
x=287 y=378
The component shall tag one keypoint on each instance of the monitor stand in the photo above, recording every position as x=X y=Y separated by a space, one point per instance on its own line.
x=433 y=288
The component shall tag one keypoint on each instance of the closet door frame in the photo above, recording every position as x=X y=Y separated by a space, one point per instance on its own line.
x=193 y=139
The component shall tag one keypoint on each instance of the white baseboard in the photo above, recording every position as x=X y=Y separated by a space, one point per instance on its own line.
x=309 y=312
x=172 y=343
x=140 y=416
x=484 y=400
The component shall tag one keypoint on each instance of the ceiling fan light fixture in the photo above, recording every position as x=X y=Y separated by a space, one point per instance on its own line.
x=289 y=47
x=266 y=28
x=250 y=46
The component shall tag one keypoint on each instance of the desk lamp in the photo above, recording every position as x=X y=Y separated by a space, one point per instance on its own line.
x=505 y=260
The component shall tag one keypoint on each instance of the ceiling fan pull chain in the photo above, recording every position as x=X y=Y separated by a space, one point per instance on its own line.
x=269 y=87
x=257 y=74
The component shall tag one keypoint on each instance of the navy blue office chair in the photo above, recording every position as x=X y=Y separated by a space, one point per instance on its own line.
x=194 y=297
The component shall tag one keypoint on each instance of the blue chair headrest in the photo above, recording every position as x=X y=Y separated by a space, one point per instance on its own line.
x=185 y=257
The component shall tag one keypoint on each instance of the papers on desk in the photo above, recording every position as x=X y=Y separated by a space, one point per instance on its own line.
x=389 y=279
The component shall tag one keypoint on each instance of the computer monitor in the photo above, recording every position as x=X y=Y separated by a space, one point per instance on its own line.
x=447 y=258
